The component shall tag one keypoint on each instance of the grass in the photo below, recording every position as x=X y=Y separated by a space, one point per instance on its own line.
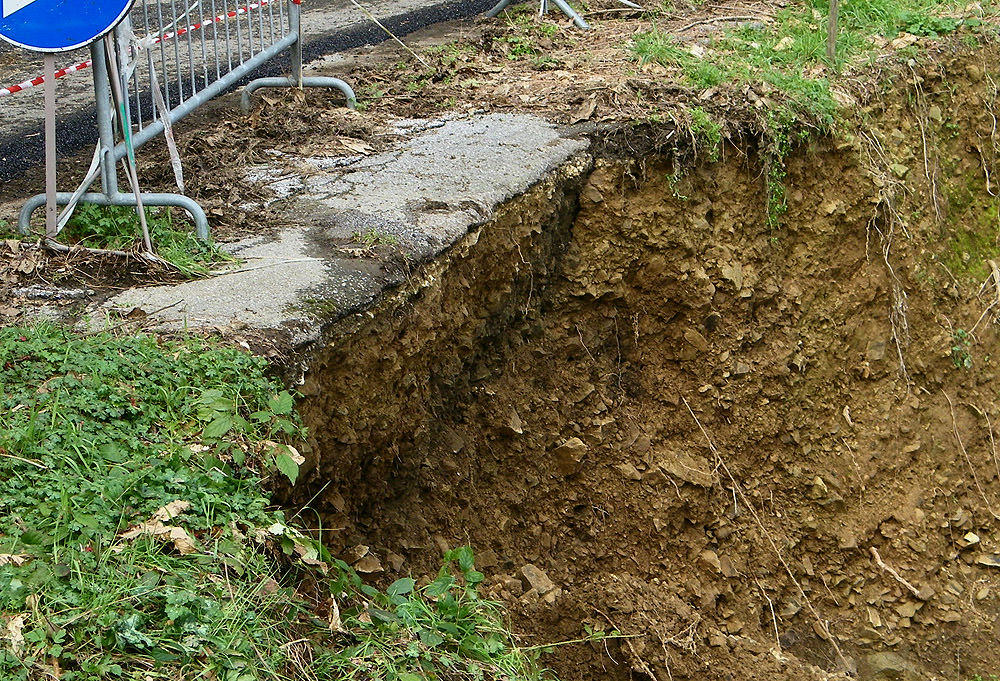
x=706 y=132
x=118 y=228
x=786 y=63
x=137 y=539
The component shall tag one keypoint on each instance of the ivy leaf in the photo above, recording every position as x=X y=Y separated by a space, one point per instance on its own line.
x=282 y=403
x=219 y=427
x=401 y=587
x=287 y=465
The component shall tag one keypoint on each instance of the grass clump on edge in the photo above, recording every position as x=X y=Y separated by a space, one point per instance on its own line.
x=118 y=228
x=785 y=61
x=137 y=541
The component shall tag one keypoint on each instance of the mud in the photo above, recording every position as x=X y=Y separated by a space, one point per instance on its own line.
x=763 y=453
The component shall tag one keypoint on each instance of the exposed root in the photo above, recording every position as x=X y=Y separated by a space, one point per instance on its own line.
x=821 y=623
x=895 y=575
x=968 y=460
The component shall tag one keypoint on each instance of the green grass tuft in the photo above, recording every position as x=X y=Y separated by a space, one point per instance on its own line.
x=118 y=228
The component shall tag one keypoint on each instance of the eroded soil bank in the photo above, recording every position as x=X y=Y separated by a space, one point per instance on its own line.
x=766 y=453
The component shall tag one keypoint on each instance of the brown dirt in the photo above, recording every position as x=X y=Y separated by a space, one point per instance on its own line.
x=697 y=427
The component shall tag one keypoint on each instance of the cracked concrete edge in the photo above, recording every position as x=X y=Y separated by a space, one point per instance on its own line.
x=425 y=195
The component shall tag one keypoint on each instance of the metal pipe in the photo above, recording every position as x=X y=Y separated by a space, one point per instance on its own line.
x=105 y=129
x=174 y=200
x=295 y=29
x=281 y=81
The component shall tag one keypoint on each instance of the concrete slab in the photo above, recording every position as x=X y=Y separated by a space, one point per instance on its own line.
x=357 y=226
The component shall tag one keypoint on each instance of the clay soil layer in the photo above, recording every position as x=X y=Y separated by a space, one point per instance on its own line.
x=760 y=452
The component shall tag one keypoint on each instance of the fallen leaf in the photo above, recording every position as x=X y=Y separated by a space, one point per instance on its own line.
x=15 y=559
x=335 y=623
x=171 y=510
x=584 y=111
x=13 y=633
x=154 y=527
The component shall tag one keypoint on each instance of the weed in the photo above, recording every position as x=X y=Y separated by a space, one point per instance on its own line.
x=373 y=237
x=706 y=131
x=101 y=434
x=785 y=61
x=96 y=435
x=117 y=228
x=961 y=354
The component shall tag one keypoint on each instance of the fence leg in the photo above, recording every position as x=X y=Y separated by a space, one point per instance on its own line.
x=296 y=79
x=117 y=199
x=561 y=4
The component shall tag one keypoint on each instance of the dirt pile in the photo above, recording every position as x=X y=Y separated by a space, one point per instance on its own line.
x=764 y=453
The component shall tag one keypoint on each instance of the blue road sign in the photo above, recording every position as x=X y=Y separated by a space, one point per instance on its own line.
x=58 y=25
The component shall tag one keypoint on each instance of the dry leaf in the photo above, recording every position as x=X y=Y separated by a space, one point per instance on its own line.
x=171 y=510
x=182 y=541
x=13 y=633
x=154 y=527
x=15 y=559
x=335 y=623
x=585 y=110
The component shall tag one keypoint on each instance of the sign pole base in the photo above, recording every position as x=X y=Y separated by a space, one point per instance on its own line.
x=51 y=229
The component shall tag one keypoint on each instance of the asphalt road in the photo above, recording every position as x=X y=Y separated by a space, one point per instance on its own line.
x=329 y=26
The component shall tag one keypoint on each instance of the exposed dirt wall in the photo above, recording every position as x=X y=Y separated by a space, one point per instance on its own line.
x=767 y=452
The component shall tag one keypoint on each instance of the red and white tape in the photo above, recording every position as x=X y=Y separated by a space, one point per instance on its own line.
x=41 y=79
x=143 y=43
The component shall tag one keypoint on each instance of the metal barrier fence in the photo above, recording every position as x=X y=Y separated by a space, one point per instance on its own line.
x=170 y=65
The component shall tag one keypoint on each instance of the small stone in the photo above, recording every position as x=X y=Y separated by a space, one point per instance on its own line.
x=629 y=471
x=514 y=424
x=395 y=561
x=988 y=560
x=888 y=666
x=696 y=340
x=513 y=585
x=551 y=596
x=875 y=351
x=568 y=456
x=486 y=559
x=983 y=593
x=970 y=539
x=536 y=579
x=369 y=564
x=899 y=170
x=711 y=559
x=974 y=72
x=926 y=592
x=742 y=368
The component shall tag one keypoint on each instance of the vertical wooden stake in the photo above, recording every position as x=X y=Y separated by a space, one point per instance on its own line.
x=51 y=230
x=831 y=32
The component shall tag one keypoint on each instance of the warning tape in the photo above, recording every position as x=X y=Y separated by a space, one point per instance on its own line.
x=144 y=43
x=41 y=79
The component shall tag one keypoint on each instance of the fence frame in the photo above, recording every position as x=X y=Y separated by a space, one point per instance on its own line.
x=111 y=153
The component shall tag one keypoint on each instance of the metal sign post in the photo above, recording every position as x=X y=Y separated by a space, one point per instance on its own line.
x=49 y=27
x=171 y=58
x=51 y=229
